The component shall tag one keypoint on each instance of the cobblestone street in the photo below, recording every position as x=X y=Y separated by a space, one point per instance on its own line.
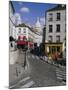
x=36 y=74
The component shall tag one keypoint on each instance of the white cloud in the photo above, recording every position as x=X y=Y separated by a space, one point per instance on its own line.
x=25 y=9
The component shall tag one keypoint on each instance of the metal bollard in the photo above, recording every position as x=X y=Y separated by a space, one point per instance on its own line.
x=16 y=72
x=17 y=69
x=24 y=59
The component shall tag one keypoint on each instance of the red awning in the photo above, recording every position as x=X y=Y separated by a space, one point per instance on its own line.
x=30 y=44
x=22 y=42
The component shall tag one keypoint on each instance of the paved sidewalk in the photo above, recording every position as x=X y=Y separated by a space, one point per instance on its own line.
x=60 y=70
x=16 y=72
x=16 y=56
x=51 y=62
x=13 y=56
x=16 y=69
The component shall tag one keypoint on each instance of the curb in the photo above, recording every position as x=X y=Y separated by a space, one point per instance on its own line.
x=12 y=83
x=57 y=65
x=15 y=81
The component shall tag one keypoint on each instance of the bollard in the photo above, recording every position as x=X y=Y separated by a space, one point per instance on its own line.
x=16 y=69
x=16 y=72
x=24 y=59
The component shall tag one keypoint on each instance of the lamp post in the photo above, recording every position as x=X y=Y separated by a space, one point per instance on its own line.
x=25 y=48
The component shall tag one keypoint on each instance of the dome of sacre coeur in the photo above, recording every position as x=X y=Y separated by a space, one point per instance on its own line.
x=38 y=23
x=38 y=26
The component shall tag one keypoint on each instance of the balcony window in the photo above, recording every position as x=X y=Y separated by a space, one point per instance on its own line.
x=50 y=17
x=19 y=30
x=58 y=16
x=57 y=38
x=50 y=28
x=24 y=30
x=58 y=28
x=50 y=38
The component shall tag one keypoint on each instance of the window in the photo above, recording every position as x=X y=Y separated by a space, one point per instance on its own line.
x=19 y=30
x=58 y=48
x=50 y=17
x=24 y=30
x=57 y=38
x=58 y=28
x=50 y=38
x=58 y=16
x=50 y=28
x=50 y=49
x=53 y=49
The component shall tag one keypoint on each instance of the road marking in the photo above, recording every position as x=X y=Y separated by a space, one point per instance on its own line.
x=58 y=70
x=63 y=82
x=60 y=78
x=23 y=80
x=59 y=75
x=29 y=84
x=64 y=74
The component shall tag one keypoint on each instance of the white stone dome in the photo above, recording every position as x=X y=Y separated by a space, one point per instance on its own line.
x=38 y=26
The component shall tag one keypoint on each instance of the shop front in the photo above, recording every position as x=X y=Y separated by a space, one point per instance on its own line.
x=53 y=50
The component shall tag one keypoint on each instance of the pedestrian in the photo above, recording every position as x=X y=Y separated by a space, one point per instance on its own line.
x=56 y=56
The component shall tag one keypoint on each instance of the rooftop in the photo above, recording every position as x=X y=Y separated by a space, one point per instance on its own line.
x=58 y=7
x=24 y=25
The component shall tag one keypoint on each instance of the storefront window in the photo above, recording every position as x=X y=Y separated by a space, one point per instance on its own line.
x=53 y=49
x=50 y=48
x=58 y=49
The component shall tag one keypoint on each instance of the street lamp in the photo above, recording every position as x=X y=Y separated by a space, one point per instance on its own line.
x=25 y=48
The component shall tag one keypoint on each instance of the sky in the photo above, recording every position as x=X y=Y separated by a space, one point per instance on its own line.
x=28 y=12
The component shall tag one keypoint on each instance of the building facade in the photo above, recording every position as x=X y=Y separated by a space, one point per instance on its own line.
x=12 y=29
x=11 y=20
x=56 y=25
x=32 y=36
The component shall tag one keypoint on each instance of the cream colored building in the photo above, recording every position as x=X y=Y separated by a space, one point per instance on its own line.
x=56 y=25
x=32 y=34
